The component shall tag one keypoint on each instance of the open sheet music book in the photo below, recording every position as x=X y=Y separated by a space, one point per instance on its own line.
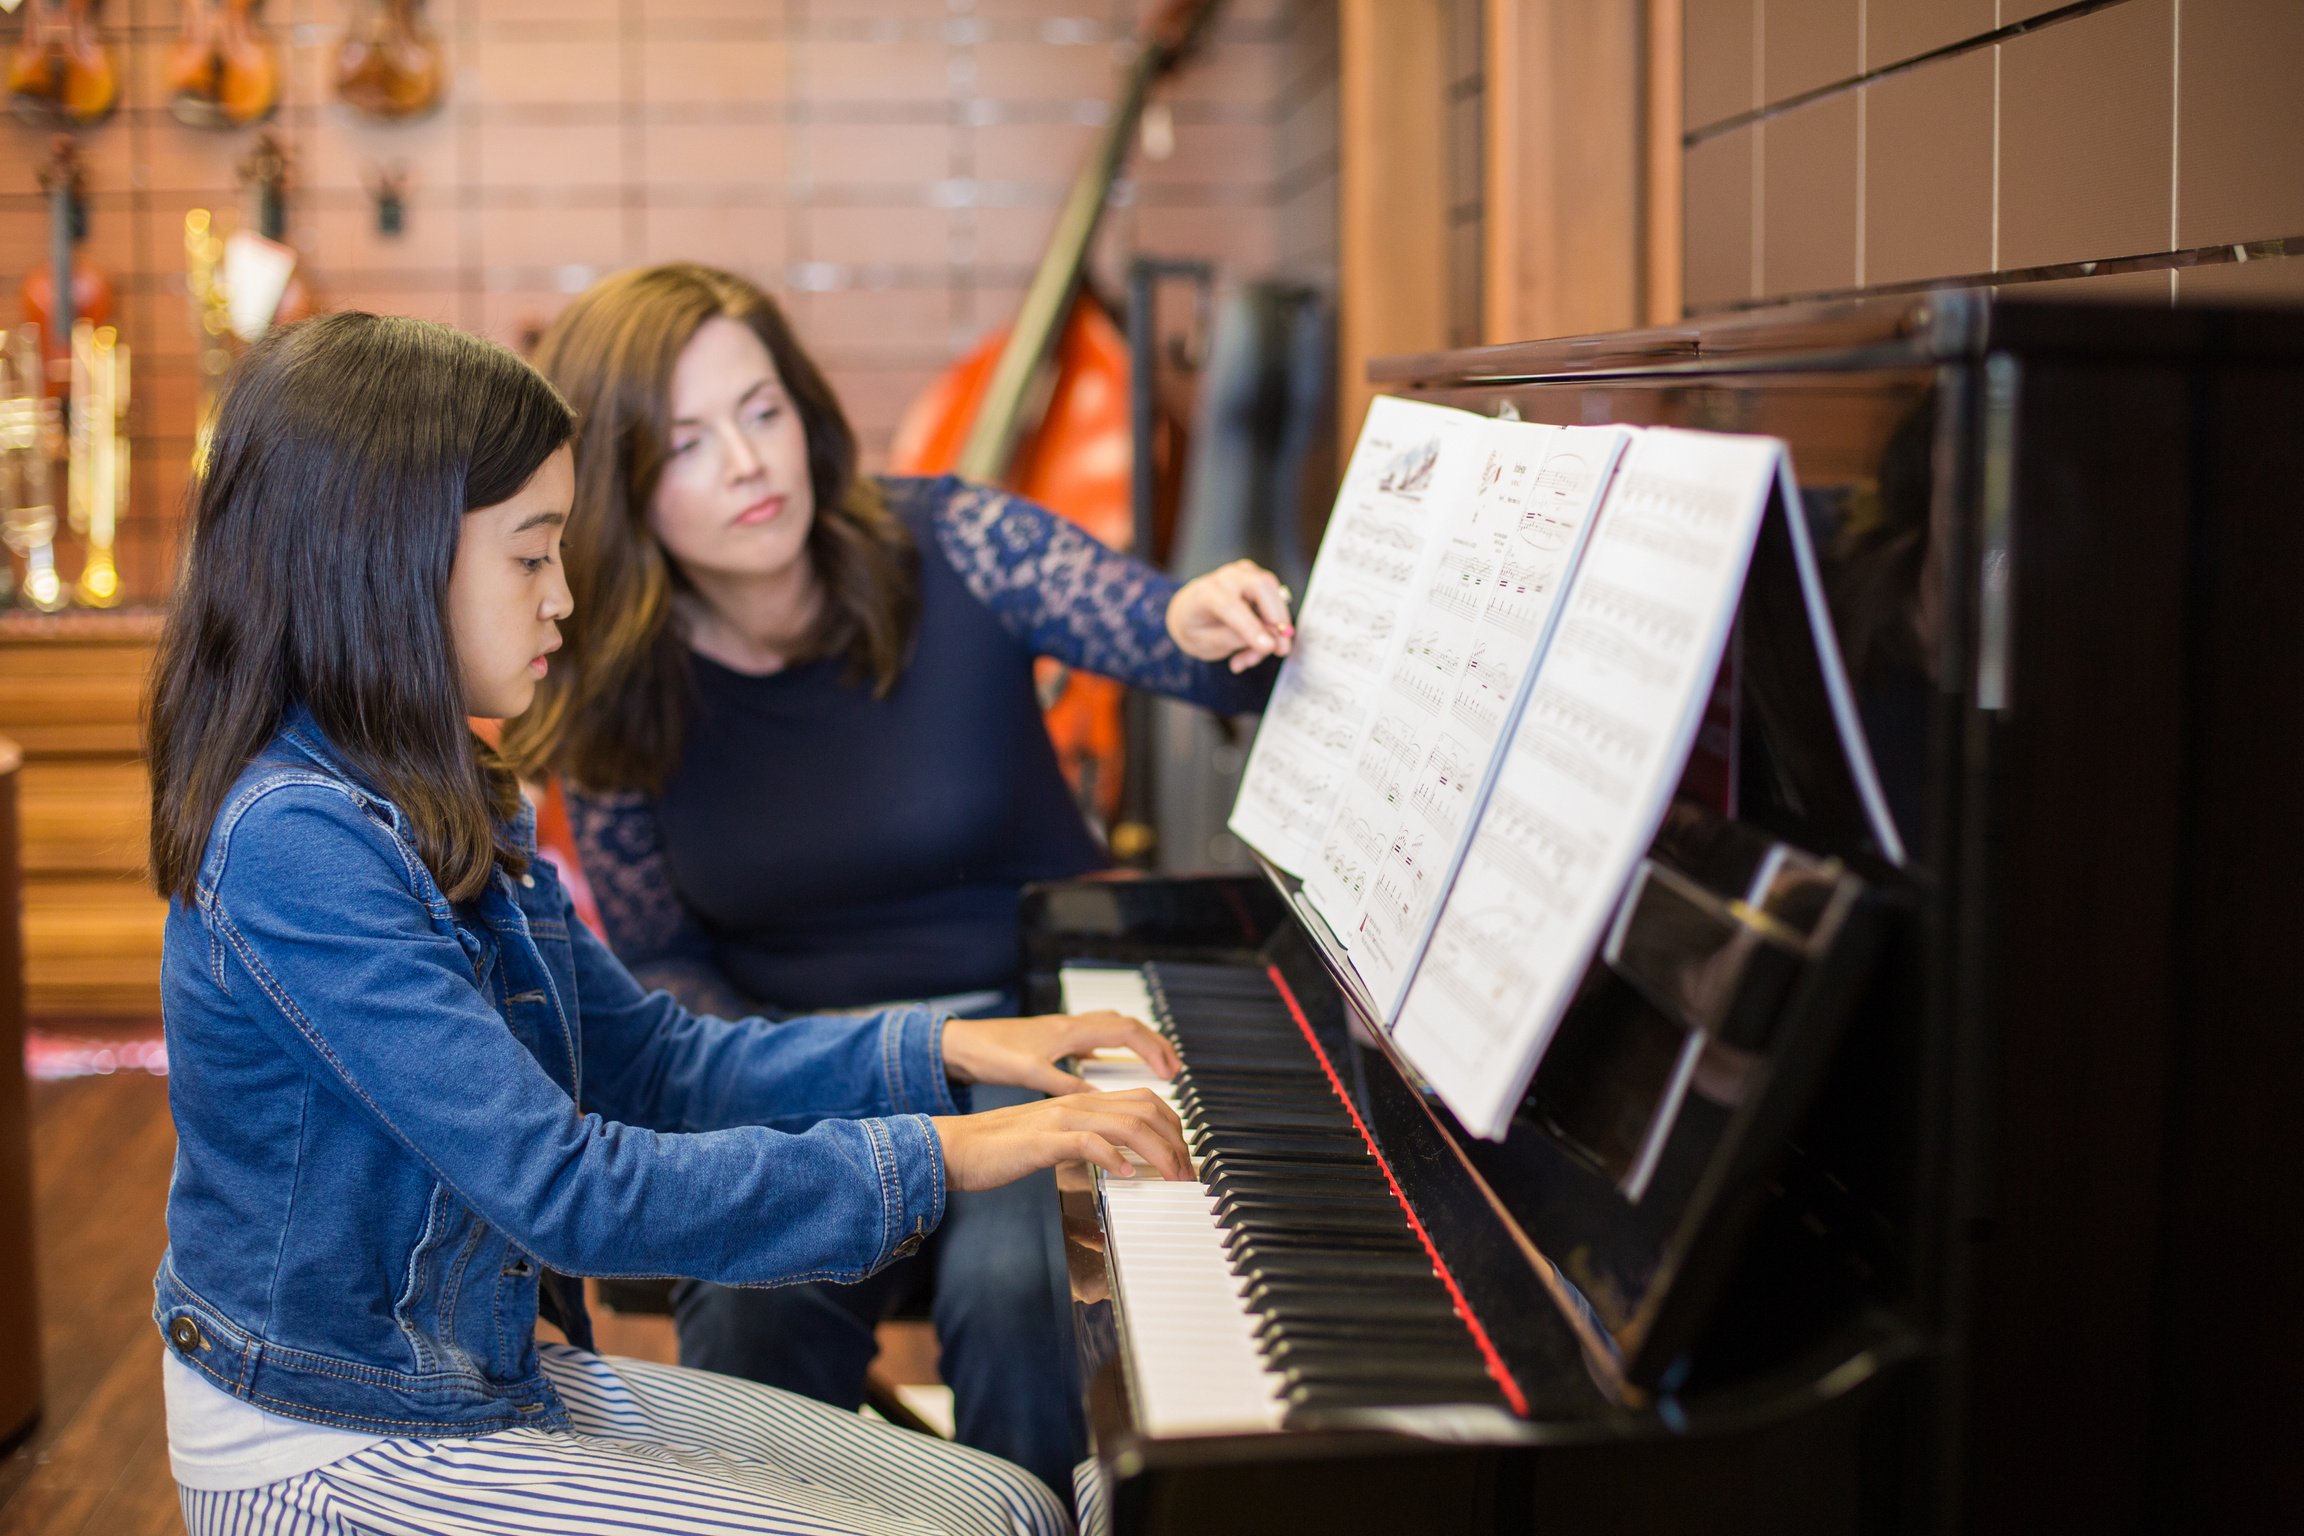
x=1505 y=650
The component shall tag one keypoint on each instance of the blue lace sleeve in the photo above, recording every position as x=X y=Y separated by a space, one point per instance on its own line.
x=621 y=850
x=1066 y=596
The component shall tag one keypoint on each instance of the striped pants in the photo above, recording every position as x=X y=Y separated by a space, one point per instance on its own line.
x=654 y=1448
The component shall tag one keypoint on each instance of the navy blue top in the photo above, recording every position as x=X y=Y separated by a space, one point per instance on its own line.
x=820 y=848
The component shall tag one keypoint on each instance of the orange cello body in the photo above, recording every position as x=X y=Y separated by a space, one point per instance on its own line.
x=1076 y=464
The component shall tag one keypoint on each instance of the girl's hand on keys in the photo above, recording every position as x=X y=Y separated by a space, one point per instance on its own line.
x=1000 y=1146
x=1023 y=1053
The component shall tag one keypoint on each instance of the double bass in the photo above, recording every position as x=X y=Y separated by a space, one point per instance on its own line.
x=1042 y=407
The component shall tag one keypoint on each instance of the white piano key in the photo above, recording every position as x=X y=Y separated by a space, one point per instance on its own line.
x=1087 y=988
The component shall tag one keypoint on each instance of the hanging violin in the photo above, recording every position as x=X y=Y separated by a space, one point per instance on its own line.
x=87 y=296
x=388 y=65
x=223 y=68
x=1042 y=407
x=60 y=70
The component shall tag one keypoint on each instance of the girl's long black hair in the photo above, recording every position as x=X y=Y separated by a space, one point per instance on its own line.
x=345 y=454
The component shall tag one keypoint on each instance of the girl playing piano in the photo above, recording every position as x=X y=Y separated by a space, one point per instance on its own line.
x=807 y=770
x=407 y=1085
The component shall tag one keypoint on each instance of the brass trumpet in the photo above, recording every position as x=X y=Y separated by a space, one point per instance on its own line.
x=28 y=433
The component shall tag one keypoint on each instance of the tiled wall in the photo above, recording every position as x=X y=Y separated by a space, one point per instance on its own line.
x=1305 y=144
x=890 y=167
x=1843 y=145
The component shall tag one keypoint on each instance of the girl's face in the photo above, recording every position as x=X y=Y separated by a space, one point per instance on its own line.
x=735 y=500
x=507 y=592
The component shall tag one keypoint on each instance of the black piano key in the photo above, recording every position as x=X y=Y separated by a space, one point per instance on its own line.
x=1221 y=1155
x=1314 y=1211
x=1308 y=1399
x=1365 y=1183
x=1250 y=1139
x=1413 y=1332
x=1338 y=1364
x=1245 y=1248
x=1368 y=1305
x=1368 y=1268
x=1307 y=1119
x=1342 y=1291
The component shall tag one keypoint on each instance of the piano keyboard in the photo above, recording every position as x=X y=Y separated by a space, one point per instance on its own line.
x=1287 y=1282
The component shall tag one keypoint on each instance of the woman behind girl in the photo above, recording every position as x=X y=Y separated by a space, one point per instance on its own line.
x=807 y=770
x=406 y=1084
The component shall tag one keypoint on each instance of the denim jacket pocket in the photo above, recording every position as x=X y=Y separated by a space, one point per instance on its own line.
x=426 y=1307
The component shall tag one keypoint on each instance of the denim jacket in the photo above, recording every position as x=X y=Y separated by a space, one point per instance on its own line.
x=392 y=1111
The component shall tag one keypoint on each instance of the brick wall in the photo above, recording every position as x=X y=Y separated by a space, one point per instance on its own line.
x=890 y=168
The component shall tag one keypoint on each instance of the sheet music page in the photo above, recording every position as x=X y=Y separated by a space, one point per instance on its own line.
x=1855 y=746
x=1486 y=613
x=1410 y=464
x=1584 y=783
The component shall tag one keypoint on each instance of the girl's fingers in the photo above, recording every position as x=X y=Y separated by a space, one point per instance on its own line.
x=1091 y=1030
x=1046 y=1077
x=1088 y=1147
x=1159 y=1145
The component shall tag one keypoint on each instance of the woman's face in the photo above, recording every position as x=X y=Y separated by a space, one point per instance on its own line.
x=507 y=592
x=735 y=500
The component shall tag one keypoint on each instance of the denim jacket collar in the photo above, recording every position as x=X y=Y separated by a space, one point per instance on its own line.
x=301 y=729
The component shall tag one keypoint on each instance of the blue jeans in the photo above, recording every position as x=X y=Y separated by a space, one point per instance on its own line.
x=1000 y=1304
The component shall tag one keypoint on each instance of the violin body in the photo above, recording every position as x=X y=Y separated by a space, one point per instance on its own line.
x=1076 y=463
x=91 y=301
x=223 y=68
x=88 y=296
x=60 y=70
x=389 y=64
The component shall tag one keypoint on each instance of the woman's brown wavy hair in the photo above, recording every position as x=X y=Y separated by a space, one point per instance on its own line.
x=611 y=714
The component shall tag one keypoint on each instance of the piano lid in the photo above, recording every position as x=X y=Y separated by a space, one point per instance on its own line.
x=1948 y=325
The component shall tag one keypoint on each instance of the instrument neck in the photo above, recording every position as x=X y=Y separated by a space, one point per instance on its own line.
x=62 y=217
x=1002 y=421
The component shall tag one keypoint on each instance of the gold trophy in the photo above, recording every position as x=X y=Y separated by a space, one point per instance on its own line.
x=28 y=433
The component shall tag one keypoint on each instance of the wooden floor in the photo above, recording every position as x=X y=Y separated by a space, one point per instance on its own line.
x=97 y=1463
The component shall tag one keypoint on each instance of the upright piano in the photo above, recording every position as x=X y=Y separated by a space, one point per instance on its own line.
x=1987 y=1226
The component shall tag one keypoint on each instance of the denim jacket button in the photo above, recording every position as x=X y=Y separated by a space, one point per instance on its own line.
x=906 y=1248
x=185 y=1335
x=528 y=881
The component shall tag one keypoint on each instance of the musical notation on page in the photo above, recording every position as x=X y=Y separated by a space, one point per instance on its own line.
x=1412 y=465
x=1528 y=530
x=1584 y=780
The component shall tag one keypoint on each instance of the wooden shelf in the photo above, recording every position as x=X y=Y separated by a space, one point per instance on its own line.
x=72 y=696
